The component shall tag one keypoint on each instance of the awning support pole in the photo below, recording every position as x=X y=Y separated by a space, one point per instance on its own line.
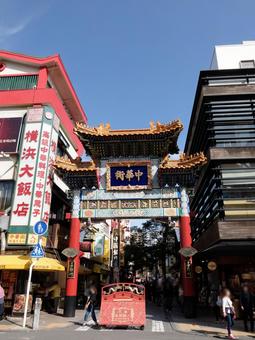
x=27 y=294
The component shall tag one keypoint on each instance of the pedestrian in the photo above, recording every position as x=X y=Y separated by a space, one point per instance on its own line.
x=228 y=312
x=154 y=290
x=168 y=295
x=247 y=305
x=54 y=294
x=219 y=306
x=90 y=306
x=1 y=301
x=215 y=302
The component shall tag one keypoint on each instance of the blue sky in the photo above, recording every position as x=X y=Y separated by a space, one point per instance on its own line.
x=130 y=61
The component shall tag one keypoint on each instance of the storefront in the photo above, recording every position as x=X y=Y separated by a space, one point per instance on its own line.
x=14 y=275
x=221 y=267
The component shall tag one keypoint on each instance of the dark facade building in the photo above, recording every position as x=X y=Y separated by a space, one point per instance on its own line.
x=222 y=126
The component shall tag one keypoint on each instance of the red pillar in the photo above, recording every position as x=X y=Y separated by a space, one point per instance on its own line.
x=74 y=242
x=42 y=78
x=186 y=241
x=186 y=263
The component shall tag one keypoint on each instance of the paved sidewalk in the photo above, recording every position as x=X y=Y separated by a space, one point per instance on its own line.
x=47 y=321
x=205 y=324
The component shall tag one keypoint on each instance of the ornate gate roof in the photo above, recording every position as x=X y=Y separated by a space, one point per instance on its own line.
x=157 y=141
x=102 y=142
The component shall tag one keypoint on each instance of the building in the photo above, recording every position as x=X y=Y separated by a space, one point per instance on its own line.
x=38 y=108
x=222 y=126
x=229 y=57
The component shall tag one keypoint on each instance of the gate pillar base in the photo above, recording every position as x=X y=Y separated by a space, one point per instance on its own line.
x=189 y=307
x=70 y=306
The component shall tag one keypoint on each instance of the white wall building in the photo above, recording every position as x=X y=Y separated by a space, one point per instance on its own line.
x=234 y=56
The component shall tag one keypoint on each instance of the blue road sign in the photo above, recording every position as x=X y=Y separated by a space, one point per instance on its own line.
x=37 y=251
x=40 y=228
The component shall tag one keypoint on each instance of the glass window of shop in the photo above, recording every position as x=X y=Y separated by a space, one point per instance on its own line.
x=6 y=190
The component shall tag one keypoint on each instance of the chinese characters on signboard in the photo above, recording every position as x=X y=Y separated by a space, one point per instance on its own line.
x=70 y=268
x=129 y=176
x=32 y=196
x=40 y=178
x=26 y=174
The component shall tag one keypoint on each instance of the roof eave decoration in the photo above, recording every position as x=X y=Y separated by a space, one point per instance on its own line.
x=184 y=162
x=77 y=165
x=105 y=130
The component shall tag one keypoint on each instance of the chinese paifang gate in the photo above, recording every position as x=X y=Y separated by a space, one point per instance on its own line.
x=131 y=175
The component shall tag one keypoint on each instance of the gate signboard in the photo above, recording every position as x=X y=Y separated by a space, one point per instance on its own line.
x=129 y=175
x=151 y=203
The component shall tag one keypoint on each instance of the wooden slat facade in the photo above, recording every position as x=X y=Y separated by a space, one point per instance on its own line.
x=222 y=126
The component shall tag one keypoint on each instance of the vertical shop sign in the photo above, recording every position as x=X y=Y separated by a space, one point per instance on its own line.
x=115 y=250
x=41 y=173
x=26 y=173
x=49 y=176
x=32 y=196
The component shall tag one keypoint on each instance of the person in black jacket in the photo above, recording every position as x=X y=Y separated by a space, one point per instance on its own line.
x=90 y=306
x=247 y=305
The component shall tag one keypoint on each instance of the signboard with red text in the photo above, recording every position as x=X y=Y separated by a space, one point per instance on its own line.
x=32 y=195
x=48 y=184
x=26 y=175
x=41 y=175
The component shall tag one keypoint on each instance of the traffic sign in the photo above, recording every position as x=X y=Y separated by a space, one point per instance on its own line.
x=40 y=228
x=37 y=251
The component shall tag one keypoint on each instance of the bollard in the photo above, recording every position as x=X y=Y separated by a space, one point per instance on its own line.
x=36 y=319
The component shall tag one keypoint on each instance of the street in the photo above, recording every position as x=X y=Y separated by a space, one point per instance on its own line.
x=157 y=327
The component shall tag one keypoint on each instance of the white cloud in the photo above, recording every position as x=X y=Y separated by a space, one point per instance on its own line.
x=7 y=31
x=15 y=19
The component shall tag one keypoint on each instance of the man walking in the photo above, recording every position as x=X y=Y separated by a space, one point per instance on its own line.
x=247 y=304
x=90 y=306
x=54 y=292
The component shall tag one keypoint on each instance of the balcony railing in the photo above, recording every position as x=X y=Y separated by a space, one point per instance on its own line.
x=19 y=82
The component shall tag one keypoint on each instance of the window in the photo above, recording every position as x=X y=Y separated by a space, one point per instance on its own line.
x=18 y=82
x=247 y=64
x=6 y=190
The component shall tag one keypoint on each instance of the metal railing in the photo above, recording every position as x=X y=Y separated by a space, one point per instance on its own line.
x=18 y=82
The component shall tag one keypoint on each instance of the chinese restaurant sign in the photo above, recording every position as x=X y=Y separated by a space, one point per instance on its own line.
x=9 y=134
x=33 y=186
x=128 y=176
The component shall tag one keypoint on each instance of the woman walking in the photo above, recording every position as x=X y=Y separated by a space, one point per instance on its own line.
x=228 y=312
x=1 y=301
x=90 y=306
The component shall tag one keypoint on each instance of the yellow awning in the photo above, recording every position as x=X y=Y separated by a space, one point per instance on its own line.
x=21 y=262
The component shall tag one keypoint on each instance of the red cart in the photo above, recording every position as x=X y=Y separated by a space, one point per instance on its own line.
x=123 y=304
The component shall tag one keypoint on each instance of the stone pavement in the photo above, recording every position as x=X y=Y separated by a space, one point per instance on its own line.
x=205 y=324
x=47 y=321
